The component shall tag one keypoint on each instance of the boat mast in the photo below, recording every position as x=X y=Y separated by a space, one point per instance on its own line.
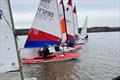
x=13 y=29
x=64 y=18
x=59 y=21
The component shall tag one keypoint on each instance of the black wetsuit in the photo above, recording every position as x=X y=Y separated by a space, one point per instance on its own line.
x=39 y=52
x=46 y=53
x=57 y=48
x=70 y=44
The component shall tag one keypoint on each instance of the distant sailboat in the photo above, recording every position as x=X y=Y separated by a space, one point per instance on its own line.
x=64 y=27
x=9 y=57
x=78 y=40
x=84 y=34
x=72 y=23
x=46 y=30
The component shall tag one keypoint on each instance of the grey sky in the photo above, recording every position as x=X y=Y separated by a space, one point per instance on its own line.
x=99 y=12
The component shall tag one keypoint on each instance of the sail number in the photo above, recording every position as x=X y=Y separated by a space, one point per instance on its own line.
x=45 y=14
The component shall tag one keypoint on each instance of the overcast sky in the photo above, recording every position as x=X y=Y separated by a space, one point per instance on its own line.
x=99 y=12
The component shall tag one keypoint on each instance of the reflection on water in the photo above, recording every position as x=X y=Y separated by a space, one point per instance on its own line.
x=99 y=60
x=53 y=71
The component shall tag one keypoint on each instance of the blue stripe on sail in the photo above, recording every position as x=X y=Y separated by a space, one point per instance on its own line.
x=35 y=44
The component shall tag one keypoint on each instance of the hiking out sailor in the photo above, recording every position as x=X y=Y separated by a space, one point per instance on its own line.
x=70 y=43
x=46 y=53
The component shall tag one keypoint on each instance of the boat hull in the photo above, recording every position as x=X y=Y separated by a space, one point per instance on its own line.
x=58 y=57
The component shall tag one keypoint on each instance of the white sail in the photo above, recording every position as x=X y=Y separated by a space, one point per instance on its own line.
x=46 y=28
x=69 y=19
x=75 y=21
x=47 y=18
x=8 y=53
x=84 y=29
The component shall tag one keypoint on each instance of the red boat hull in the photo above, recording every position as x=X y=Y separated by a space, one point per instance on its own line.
x=58 y=57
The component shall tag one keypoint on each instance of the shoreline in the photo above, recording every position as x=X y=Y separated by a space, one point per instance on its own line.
x=90 y=30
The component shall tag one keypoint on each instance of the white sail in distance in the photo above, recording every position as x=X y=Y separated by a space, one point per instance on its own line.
x=84 y=29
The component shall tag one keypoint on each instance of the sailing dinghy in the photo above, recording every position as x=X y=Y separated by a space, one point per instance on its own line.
x=65 y=36
x=84 y=34
x=71 y=23
x=9 y=57
x=46 y=30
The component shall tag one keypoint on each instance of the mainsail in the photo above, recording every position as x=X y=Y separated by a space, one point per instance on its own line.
x=46 y=28
x=84 y=29
x=75 y=21
x=8 y=51
x=69 y=20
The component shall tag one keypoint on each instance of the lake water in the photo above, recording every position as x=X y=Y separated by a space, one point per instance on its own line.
x=99 y=60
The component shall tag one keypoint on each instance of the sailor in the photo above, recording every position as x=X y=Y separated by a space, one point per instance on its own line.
x=70 y=43
x=46 y=53
x=40 y=52
x=57 y=47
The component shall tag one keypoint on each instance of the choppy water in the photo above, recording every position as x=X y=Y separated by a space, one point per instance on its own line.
x=99 y=60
